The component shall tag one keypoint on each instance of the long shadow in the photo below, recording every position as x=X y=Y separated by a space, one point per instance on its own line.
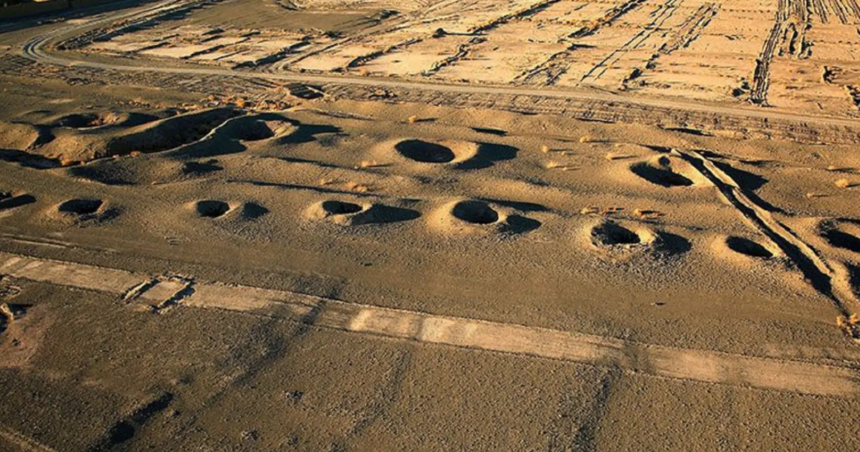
x=659 y=176
x=105 y=172
x=207 y=149
x=27 y=160
x=303 y=187
x=673 y=243
x=745 y=179
x=252 y=211
x=749 y=182
x=16 y=201
x=488 y=154
x=819 y=280
x=307 y=133
x=842 y=240
x=489 y=131
x=522 y=206
x=518 y=224
x=311 y=162
x=380 y=214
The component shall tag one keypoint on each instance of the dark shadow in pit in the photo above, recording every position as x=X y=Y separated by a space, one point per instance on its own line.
x=660 y=176
x=211 y=208
x=475 y=212
x=250 y=129
x=610 y=234
x=488 y=154
x=80 y=206
x=748 y=247
x=425 y=151
x=340 y=207
x=88 y=211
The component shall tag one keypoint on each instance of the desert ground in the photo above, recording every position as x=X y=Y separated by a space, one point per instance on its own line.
x=435 y=225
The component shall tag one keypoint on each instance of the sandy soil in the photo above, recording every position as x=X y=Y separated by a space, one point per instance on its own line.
x=307 y=271
x=787 y=55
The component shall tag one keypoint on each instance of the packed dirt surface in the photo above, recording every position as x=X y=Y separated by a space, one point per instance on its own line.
x=202 y=250
x=790 y=55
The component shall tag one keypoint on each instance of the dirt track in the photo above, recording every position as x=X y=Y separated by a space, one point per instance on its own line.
x=36 y=50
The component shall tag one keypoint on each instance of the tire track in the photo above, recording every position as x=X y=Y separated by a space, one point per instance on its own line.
x=553 y=68
x=784 y=123
x=761 y=74
x=792 y=20
x=663 y=13
x=479 y=32
x=819 y=274
x=690 y=30
x=478 y=335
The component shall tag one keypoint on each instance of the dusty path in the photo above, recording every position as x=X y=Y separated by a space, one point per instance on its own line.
x=163 y=293
x=35 y=49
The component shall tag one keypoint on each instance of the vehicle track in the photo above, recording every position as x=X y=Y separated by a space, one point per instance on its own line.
x=690 y=30
x=801 y=377
x=814 y=268
x=553 y=68
x=35 y=50
x=661 y=15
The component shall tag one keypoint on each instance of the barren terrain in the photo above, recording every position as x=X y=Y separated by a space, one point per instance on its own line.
x=431 y=225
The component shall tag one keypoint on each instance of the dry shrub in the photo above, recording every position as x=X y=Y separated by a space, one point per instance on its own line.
x=66 y=161
x=370 y=164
